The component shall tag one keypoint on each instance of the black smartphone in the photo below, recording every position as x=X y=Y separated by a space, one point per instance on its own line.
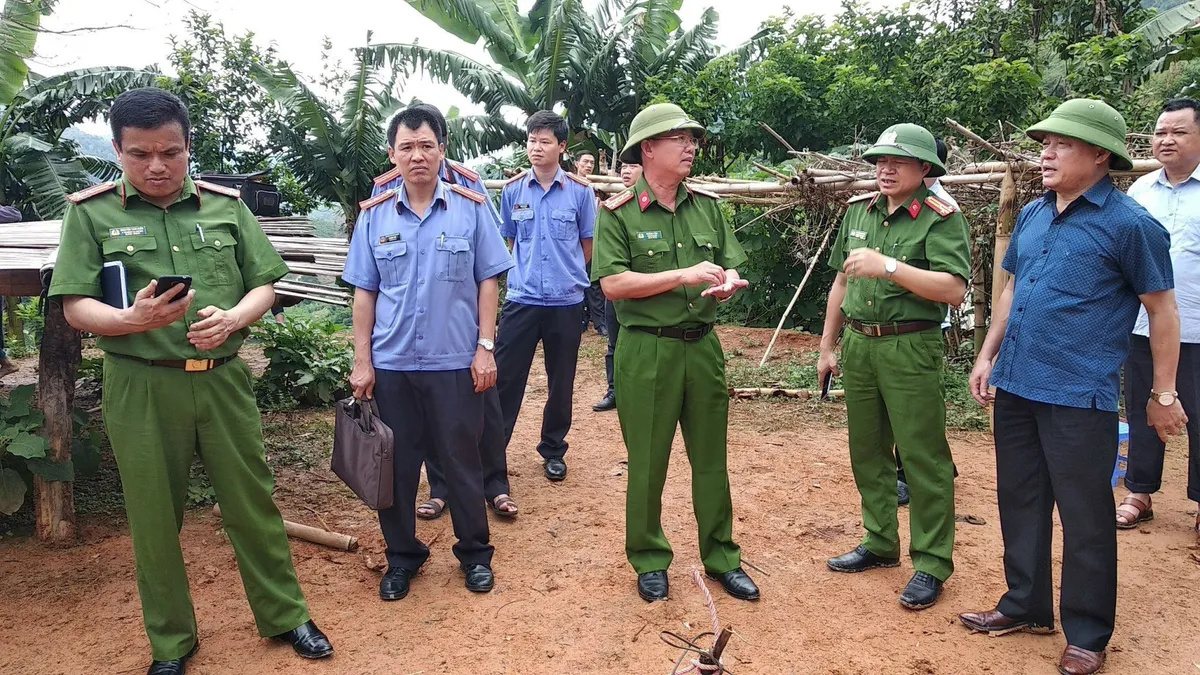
x=168 y=282
x=825 y=386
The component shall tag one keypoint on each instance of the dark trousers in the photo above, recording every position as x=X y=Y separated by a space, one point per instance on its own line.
x=1046 y=455
x=614 y=327
x=521 y=328
x=495 y=468
x=1146 y=449
x=437 y=415
x=595 y=309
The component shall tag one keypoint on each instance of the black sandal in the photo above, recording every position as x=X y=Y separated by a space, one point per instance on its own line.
x=497 y=506
x=434 y=509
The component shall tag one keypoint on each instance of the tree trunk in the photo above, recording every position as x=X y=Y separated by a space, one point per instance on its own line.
x=58 y=361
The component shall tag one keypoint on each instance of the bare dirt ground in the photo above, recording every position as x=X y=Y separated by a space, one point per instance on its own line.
x=565 y=600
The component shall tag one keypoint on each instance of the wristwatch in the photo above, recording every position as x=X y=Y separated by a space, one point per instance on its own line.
x=889 y=266
x=487 y=344
x=1164 y=398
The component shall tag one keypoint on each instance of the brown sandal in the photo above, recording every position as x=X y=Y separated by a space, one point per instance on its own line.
x=497 y=506
x=1133 y=510
x=432 y=509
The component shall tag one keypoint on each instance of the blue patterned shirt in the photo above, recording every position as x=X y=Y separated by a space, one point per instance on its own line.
x=1078 y=276
x=547 y=228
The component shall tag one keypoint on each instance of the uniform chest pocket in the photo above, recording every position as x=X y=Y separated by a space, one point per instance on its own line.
x=911 y=254
x=523 y=219
x=127 y=248
x=649 y=256
x=392 y=260
x=563 y=225
x=216 y=258
x=706 y=246
x=454 y=259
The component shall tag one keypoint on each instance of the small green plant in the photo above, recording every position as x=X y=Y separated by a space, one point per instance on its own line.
x=23 y=451
x=309 y=364
x=91 y=370
x=20 y=344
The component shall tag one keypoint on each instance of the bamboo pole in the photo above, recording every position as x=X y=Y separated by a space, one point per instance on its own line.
x=808 y=273
x=342 y=542
x=768 y=392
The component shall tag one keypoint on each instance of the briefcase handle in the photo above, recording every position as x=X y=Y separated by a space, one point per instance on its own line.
x=365 y=412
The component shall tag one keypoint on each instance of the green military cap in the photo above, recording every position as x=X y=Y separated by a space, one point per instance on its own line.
x=1091 y=121
x=652 y=121
x=908 y=140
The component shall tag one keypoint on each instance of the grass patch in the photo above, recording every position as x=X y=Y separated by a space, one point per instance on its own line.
x=796 y=373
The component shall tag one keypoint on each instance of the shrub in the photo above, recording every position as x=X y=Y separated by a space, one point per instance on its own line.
x=309 y=363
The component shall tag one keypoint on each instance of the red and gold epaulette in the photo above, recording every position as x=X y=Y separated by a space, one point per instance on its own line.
x=385 y=178
x=706 y=193
x=469 y=193
x=88 y=193
x=617 y=201
x=579 y=179
x=376 y=200
x=859 y=198
x=219 y=189
x=462 y=171
x=943 y=209
x=516 y=178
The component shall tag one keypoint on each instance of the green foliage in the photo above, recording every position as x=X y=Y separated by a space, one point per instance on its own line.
x=309 y=363
x=1107 y=67
x=23 y=450
x=26 y=342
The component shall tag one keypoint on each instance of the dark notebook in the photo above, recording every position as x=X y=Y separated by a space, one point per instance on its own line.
x=113 y=287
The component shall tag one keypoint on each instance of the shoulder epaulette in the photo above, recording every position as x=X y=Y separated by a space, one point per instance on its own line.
x=219 y=189
x=88 y=193
x=463 y=171
x=582 y=181
x=377 y=199
x=943 y=209
x=859 y=198
x=617 y=201
x=468 y=193
x=706 y=193
x=516 y=178
x=385 y=178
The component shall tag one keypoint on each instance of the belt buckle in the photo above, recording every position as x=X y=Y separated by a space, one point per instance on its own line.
x=692 y=334
x=197 y=365
x=876 y=330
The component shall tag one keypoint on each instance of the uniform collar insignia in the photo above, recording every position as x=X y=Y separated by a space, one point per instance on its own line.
x=914 y=208
x=644 y=199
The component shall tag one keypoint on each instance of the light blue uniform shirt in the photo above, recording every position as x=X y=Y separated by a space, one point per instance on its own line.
x=451 y=172
x=1177 y=207
x=426 y=269
x=547 y=228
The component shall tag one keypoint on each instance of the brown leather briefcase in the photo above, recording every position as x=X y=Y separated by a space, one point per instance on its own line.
x=363 y=452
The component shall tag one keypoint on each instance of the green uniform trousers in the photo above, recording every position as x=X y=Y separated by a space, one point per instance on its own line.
x=157 y=420
x=662 y=382
x=895 y=395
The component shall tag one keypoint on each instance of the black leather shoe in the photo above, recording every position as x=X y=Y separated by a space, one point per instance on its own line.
x=176 y=667
x=394 y=585
x=902 y=493
x=652 y=586
x=308 y=641
x=605 y=404
x=922 y=591
x=736 y=583
x=860 y=560
x=556 y=470
x=480 y=578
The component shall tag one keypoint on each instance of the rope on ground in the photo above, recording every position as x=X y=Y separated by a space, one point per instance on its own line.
x=711 y=654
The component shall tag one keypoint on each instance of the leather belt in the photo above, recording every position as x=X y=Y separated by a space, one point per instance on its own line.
x=190 y=365
x=887 y=329
x=677 y=332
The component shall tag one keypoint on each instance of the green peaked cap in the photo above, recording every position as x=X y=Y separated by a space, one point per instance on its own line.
x=654 y=120
x=908 y=140
x=1091 y=121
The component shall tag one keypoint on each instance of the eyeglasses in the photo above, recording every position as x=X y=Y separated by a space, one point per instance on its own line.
x=682 y=140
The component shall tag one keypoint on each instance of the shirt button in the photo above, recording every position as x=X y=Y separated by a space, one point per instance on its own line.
x=218 y=243
x=679 y=245
x=420 y=337
x=422 y=251
x=903 y=258
x=885 y=223
x=649 y=253
x=691 y=306
x=175 y=248
x=129 y=248
x=1045 y=251
x=421 y=282
x=869 y=303
x=876 y=248
x=1020 y=309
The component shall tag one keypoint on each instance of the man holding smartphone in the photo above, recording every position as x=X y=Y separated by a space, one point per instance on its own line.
x=173 y=383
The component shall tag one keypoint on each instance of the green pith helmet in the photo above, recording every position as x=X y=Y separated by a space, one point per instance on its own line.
x=652 y=121
x=908 y=140
x=1091 y=121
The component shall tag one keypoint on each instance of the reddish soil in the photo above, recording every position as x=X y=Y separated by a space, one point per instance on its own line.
x=565 y=600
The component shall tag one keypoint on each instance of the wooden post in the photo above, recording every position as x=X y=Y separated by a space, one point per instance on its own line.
x=1004 y=228
x=811 y=266
x=58 y=361
x=718 y=647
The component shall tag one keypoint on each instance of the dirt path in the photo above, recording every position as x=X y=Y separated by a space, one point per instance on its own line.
x=565 y=600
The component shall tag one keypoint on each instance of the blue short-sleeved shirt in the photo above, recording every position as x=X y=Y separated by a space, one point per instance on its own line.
x=451 y=172
x=547 y=227
x=427 y=270
x=1078 y=276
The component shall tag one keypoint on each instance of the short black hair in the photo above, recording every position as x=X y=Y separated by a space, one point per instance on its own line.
x=147 y=108
x=413 y=117
x=548 y=119
x=942 y=151
x=1177 y=104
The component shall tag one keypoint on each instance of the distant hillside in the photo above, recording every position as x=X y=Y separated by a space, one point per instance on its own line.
x=90 y=144
x=1162 y=5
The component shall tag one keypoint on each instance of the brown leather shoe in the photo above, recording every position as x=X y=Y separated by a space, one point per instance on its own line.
x=1079 y=661
x=996 y=624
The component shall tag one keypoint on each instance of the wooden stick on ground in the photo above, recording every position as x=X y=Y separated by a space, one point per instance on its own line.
x=342 y=542
x=811 y=266
x=802 y=394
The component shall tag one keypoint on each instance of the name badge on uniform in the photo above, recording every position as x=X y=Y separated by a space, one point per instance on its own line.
x=137 y=231
x=389 y=238
x=646 y=236
x=858 y=234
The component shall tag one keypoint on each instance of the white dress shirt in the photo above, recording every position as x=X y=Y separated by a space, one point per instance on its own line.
x=1177 y=207
x=940 y=192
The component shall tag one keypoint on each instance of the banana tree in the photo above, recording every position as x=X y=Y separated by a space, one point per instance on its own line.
x=594 y=64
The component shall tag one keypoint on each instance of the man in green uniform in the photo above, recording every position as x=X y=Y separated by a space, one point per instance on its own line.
x=665 y=256
x=173 y=383
x=902 y=255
